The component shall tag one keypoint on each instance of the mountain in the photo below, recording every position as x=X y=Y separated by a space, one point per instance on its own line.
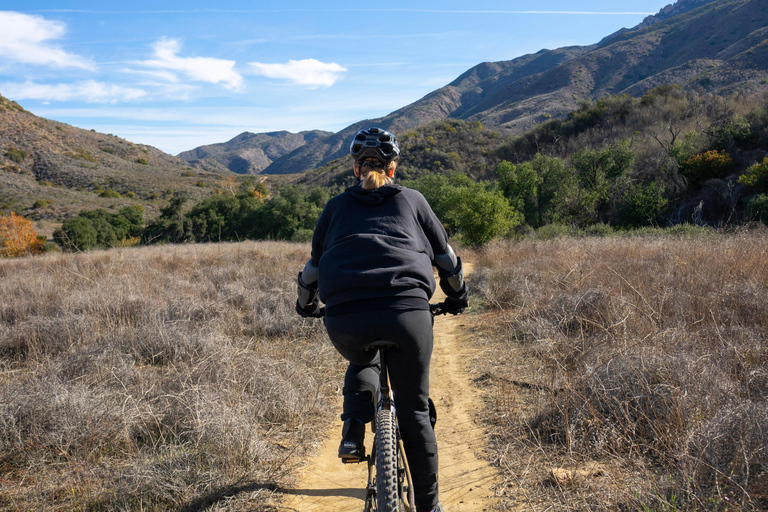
x=249 y=153
x=719 y=46
x=51 y=170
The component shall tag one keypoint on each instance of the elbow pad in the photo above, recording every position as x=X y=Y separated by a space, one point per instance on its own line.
x=450 y=272
x=307 y=284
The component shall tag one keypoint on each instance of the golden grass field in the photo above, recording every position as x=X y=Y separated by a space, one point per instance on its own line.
x=618 y=374
x=159 y=378
x=628 y=373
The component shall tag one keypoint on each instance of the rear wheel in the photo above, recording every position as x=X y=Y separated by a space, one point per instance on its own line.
x=386 y=463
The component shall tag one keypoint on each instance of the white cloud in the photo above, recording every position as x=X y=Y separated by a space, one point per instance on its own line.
x=204 y=69
x=88 y=91
x=25 y=39
x=304 y=72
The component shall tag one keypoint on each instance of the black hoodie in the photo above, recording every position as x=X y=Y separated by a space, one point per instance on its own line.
x=376 y=246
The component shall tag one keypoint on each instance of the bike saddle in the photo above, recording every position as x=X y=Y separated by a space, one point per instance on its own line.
x=376 y=345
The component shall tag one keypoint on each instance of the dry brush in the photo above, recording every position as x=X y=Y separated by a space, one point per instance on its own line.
x=169 y=377
x=629 y=373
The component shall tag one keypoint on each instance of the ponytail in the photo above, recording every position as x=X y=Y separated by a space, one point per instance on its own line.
x=375 y=178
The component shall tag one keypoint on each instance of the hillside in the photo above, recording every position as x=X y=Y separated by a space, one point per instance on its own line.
x=718 y=47
x=249 y=153
x=50 y=170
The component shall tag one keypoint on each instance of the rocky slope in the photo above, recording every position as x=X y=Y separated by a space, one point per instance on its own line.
x=52 y=170
x=249 y=153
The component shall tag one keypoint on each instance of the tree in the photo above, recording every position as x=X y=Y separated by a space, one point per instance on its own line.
x=476 y=212
x=76 y=234
x=172 y=226
x=100 y=229
x=598 y=171
x=541 y=189
x=642 y=204
x=18 y=237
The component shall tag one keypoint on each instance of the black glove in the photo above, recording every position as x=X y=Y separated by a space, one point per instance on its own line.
x=456 y=303
x=311 y=310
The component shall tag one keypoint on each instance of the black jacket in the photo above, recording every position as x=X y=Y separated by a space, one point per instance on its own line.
x=374 y=245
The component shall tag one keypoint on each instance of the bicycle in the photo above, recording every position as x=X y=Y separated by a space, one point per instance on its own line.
x=389 y=487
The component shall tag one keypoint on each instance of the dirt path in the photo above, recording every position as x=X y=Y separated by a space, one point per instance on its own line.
x=466 y=479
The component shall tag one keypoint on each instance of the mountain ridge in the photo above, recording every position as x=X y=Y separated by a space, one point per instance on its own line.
x=249 y=153
x=687 y=43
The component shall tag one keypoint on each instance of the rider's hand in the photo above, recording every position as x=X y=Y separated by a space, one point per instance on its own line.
x=455 y=305
x=310 y=310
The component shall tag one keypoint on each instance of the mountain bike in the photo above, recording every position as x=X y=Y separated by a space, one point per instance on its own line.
x=389 y=487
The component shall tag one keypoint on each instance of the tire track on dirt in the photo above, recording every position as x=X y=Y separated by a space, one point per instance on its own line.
x=466 y=478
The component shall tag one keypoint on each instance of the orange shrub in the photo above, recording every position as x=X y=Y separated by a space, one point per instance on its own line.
x=18 y=237
x=706 y=166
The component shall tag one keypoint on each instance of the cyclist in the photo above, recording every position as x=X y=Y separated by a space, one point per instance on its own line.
x=373 y=250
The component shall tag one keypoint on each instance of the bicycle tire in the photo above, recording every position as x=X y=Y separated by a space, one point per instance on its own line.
x=387 y=496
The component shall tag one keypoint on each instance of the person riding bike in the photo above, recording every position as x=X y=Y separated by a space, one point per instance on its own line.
x=373 y=250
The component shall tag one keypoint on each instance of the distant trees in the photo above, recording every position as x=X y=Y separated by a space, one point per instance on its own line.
x=18 y=237
x=671 y=156
x=100 y=229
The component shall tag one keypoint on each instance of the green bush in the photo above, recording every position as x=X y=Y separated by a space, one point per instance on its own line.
x=475 y=212
x=706 y=166
x=99 y=229
x=142 y=161
x=110 y=193
x=42 y=203
x=757 y=208
x=756 y=177
x=16 y=155
x=555 y=230
x=642 y=204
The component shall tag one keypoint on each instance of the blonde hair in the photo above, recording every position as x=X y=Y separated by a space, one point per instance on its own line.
x=375 y=178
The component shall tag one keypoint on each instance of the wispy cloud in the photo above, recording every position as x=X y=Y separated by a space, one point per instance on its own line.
x=203 y=69
x=27 y=39
x=309 y=72
x=88 y=91
x=436 y=11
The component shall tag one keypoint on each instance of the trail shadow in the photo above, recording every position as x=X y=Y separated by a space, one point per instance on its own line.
x=205 y=502
x=351 y=492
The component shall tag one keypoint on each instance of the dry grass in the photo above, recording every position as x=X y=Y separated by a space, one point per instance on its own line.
x=170 y=377
x=628 y=373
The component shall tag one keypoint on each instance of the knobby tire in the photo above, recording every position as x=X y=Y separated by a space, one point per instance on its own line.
x=386 y=463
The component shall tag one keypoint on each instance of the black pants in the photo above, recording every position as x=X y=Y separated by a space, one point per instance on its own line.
x=409 y=378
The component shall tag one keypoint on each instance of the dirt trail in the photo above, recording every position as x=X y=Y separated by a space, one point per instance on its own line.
x=466 y=479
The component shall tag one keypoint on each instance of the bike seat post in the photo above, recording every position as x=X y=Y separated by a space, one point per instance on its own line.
x=386 y=401
x=383 y=347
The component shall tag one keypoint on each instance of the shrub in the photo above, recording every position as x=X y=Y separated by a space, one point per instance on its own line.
x=642 y=204
x=18 y=237
x=110 y=193
x=99 y=228
x=554 y=230
x=80 y=154
x=142 y=161
x=42 y=203
x=476 y=212
x=16 y=155
x=706 y=166
x=757 y=208
x=756 y=177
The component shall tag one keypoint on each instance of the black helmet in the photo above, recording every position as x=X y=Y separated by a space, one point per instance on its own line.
x=376 y=143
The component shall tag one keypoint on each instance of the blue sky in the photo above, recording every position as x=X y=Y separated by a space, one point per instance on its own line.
x=177 y=75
